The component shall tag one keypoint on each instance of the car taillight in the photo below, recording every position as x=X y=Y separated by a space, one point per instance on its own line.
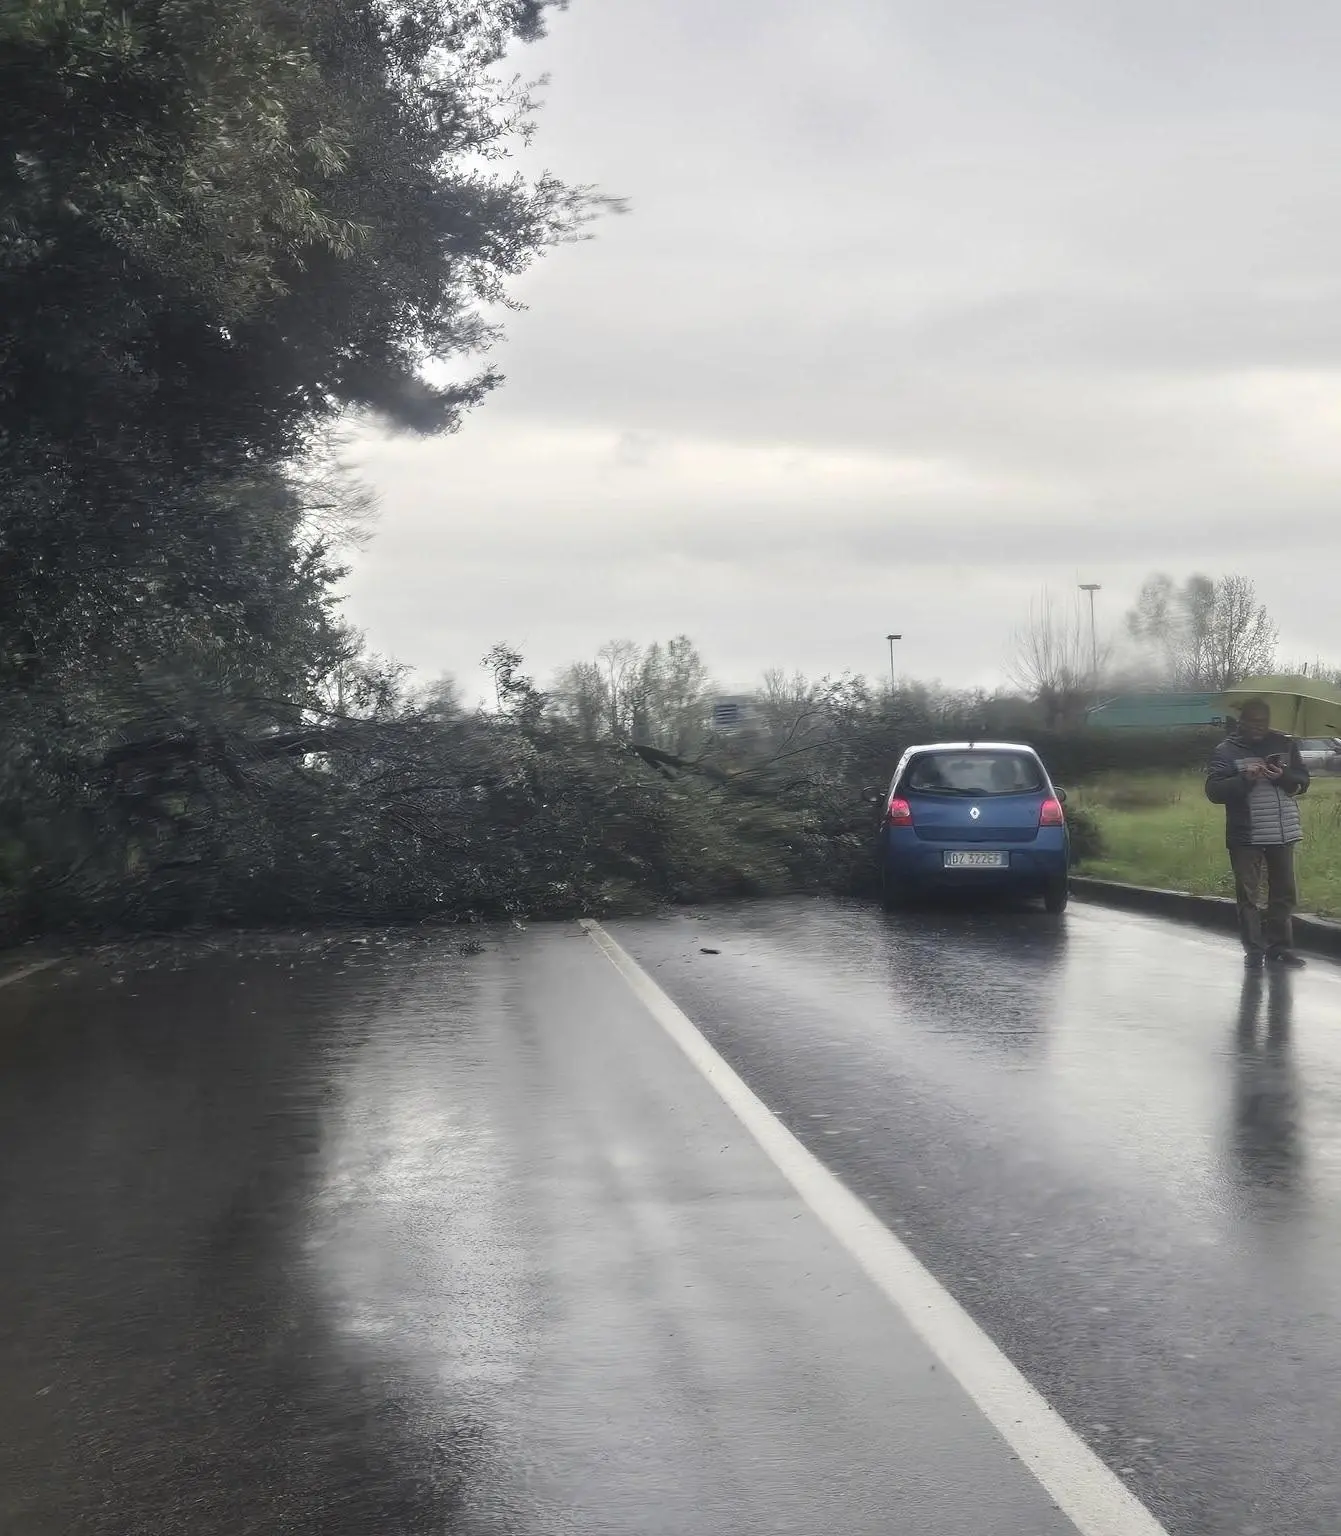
x=1051 y=814
x=898 y=813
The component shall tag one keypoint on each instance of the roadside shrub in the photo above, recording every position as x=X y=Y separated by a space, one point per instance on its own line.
x=1076 y=756
x=1086 y=839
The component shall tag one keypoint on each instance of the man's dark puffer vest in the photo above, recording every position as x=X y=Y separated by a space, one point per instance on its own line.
x=1257 y=814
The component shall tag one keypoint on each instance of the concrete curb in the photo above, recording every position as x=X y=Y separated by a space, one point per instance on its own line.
x=1317 y=934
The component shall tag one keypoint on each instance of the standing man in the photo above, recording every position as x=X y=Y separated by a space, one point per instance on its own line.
x=1258 y=775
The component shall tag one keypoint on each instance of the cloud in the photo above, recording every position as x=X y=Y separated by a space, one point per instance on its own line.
x=918 y=308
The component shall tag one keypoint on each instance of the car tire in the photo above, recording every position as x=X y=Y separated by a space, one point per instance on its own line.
x=893 y=893
x=1057 y=895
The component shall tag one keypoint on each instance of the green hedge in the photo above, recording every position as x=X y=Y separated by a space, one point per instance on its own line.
x=1074 y=756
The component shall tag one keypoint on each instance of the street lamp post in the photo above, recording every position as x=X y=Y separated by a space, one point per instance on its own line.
x=1092 y=587
x=892 y=639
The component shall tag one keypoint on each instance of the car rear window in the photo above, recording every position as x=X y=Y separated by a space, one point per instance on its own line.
x=974 y=773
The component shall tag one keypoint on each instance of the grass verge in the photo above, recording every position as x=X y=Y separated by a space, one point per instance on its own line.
x=1159 y=829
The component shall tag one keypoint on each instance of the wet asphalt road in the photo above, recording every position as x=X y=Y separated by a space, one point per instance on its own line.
x=389 y=1239
x=1123 y=1158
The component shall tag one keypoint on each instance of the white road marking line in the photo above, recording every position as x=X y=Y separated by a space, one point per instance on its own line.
x=1093 y=1498
x=26 y=970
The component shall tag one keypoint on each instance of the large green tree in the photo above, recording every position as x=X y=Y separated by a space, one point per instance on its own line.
x=221 y=226
x=225 y=221
x=225 y=225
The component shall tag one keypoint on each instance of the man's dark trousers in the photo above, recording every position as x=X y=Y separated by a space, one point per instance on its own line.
x=1273 y=863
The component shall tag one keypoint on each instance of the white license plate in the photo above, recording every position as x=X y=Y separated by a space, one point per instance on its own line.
x=976 y=860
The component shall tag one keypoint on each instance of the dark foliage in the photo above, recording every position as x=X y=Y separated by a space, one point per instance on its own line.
x=223 y=227
x=404 y=813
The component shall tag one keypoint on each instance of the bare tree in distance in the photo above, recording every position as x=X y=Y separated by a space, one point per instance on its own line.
x=578 y=696
x=672 y=705
x=793 y=713
x=1052 y=659
x=620 y=662
x=659 y=696
x=1206 y=634
x=781 y=693
x=1243 y=637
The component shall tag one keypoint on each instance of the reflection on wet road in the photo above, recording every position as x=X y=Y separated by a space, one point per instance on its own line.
x=1267 y=1139
x=1120 y=1154
x=387 y=1239
x=405 y=1243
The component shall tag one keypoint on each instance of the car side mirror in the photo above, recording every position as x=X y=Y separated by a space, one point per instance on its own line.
x=1061 y=795
x=871 y=795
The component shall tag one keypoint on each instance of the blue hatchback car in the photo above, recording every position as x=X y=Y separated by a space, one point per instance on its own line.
x=974 y=816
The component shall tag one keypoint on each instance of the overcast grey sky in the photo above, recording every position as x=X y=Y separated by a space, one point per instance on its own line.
x=922 y=305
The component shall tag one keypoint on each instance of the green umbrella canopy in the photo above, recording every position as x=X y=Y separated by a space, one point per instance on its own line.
x=1301 y=706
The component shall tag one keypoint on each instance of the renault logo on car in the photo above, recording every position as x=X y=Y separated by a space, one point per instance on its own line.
x=975 y=813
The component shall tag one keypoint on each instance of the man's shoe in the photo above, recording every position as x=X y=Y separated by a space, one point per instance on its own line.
x=1253 y=959
x=1287 y=958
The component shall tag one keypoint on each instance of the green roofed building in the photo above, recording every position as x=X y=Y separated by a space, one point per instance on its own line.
x=1156 y=711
